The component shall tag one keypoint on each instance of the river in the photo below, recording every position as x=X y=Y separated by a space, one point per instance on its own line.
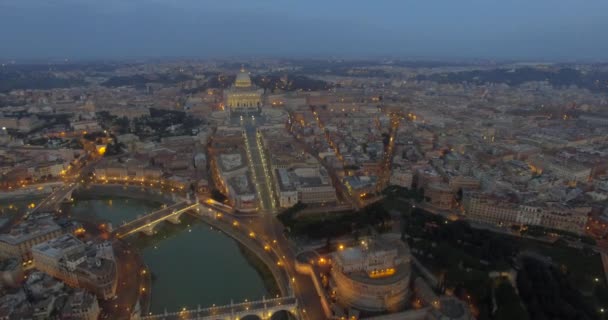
x=191 y=267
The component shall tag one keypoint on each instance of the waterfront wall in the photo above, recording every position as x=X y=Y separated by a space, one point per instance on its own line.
x=94 y=191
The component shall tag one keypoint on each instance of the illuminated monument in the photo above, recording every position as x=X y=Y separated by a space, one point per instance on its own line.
x=374 y=276
x=243 y=98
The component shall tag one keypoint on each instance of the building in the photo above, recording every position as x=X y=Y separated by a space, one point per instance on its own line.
x=459 y=182
x=310 y=185
x=20 y=239
x=360 y=185
x=49 y=169
x=231 y=176
x=130 y=112
x=439 y=195
x=425 y=176
x=241 y=193
x=374 y=276
x=42 y=297
x=296 y=175
x=81 y=305
x=505 y=212
x=21 y=124
x=597 y=225
x=85 y=126
x=11 y=272
x=402 y=177
x=561 y=217
x=131 y=170
x=77 y=264
x=568 y=170
x=227 y=165
x=243 y=98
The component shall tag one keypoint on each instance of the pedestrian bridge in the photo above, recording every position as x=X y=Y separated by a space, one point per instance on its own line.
x=263 y=309
x=147 y=223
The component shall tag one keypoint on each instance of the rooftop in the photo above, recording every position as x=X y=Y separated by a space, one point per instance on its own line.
x=30 y=229
x=231 y=161
x=60 y=246
x=9 y=264
x=241 y=184
x=242 y=79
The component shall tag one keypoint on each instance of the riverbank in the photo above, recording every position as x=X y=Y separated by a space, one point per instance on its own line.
x=262 y=269
x=95 y=191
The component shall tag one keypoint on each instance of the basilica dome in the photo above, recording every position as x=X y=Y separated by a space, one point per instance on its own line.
x=242 y=79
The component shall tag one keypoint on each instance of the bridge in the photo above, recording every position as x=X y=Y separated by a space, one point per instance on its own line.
x=52 y=202
x=263 y=309
x=147 y=223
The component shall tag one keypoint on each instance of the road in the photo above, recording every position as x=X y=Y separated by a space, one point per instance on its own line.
x=71 y=180
x=270 y=230
x=50 y=203
x=385 y=176
x=303 y=287
x=131 y=283
x=260 y=176
x=342 y=191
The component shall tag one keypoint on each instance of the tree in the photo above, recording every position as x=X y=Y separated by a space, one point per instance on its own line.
x=508 y=302
x=217 y=196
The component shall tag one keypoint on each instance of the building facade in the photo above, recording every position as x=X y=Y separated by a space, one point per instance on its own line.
x=21 y=238
x=503 y=212
x=91 y=267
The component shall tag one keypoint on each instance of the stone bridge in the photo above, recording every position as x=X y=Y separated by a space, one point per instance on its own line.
x=52 y=202
x=147 y=223
x=263 y=309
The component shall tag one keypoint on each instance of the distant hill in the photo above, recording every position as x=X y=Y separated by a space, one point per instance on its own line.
x=140 y=80
x=14 y=80
x=595 y=81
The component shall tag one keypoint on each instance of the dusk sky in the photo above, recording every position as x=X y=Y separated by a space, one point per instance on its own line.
x=503 y=29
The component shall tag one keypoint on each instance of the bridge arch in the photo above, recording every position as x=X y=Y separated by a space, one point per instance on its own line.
x=283 y=314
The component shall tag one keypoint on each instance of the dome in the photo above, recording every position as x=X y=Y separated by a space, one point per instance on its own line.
x=242 y=79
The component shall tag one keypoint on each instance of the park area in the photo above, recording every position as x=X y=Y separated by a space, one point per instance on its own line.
x=465 y=257
x=479 y=266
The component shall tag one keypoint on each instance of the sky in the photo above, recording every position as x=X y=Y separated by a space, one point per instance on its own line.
x=554 y=30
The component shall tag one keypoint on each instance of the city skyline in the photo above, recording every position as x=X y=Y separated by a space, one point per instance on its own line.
x=269 y=160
